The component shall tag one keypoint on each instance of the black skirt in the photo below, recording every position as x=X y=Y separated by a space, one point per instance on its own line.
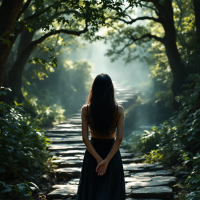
x=110 y=186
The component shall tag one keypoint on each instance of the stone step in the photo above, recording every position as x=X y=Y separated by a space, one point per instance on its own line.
x=70 y=191
x=66 y=125
x=152 y=183
x=64 y=130
x=66 y=135
x=152 y=173
x=156 y=192
x=127 y=155
x=138 y=199
x=147 y=165
x=74 y=121
x=132 y=160
x=78 y=116
x=73 y=161
x=68 y=173
x=73 y=137
x=68 y=158
x=63 y=147
x=141 y=188
x=67 y=141
x=68 y=163
x=140 y=167
x=62 y=191
x=69 y=152
x=81 y=154
x=59 y=147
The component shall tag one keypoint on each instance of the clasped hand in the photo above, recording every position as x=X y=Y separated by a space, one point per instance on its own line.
x=101 y=167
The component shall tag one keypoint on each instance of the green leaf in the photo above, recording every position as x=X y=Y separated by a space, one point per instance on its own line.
x=6 y=190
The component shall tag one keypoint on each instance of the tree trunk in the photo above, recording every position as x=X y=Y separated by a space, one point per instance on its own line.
x=178 y=69
x=196 y=54
x=196 y=4
x=15 y=74
x=197 y=18
x=9 y=11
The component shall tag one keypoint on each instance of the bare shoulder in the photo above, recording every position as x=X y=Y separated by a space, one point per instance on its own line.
x=120 y=109
x=84 y=110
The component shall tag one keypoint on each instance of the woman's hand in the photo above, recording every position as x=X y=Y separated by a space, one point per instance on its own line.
x=99 y=160
x=101 y=167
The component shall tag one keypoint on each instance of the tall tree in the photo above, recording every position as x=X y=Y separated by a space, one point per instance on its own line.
x=160 y=12
x=42 y=16
x=9 y=12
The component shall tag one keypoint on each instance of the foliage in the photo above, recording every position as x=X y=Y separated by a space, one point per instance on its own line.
x=60 y=94
x=46 y=116
x=137 y=35
x=23 y=144
x=19 y=191
x=190 y=189
x=177 y=140
x=53 y=93
x=148 y=109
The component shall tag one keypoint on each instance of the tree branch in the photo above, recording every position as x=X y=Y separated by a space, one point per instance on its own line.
x=127 y=45
x=179 y=3
x=134 y=20
x=38 y=14
x=148 y=35
x=156 y=3
x=26 y=5
x=70 y=32
x=151 y=8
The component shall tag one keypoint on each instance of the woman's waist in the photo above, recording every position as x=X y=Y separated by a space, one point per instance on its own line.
x=100 y=140
x=109 y=136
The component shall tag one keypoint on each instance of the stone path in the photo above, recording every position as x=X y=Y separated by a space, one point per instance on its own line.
x=143 y=181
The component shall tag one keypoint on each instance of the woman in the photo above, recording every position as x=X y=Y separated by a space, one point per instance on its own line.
x=102 y=175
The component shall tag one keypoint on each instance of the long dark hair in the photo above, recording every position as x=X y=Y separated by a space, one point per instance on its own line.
x=102 y=114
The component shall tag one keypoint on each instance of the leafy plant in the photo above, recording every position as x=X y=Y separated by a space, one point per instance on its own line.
x=18 y=191
x=23 y=145
x=177 y=140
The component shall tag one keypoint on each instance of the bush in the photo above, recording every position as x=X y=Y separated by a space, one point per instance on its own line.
x=46 y=116
x=23 y=150
x=177 y=141
x=19 y=191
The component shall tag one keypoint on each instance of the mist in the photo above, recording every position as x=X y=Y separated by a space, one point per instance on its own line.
x=132 y=74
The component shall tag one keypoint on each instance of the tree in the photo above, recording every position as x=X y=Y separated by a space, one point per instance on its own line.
x=37 y=15
x=160 y=13
x=40 y=15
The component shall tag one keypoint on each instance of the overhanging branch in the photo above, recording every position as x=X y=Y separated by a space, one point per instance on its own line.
x=137 y=19
x=38 y=14
x=151 y=8
x=133 y=40
x=156 y=3
x=24 y=8
x=127 y=45
x=57 y=14
x=148 y=35
x=69 y=32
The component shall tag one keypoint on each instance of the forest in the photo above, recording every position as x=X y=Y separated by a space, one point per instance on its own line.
x=50 y=51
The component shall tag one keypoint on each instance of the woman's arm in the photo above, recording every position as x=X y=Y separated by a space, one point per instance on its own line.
x=87 y=142
x=120 y=130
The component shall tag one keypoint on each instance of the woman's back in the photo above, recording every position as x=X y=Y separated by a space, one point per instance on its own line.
x=112 y=131
x=113 y=125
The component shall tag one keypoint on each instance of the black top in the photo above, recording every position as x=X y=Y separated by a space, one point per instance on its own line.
x=112 y=130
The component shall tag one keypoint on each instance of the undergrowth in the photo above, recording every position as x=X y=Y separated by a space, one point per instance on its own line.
x=23 y=152
x=176 y=142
